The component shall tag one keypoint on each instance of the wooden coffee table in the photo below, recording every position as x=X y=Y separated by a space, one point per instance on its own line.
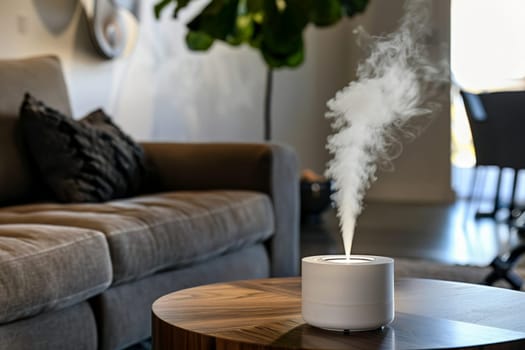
x=266 y=314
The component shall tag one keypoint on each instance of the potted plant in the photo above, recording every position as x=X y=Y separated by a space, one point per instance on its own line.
x=273 y=27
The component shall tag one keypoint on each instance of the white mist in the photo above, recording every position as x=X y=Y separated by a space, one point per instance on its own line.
x=391 y=88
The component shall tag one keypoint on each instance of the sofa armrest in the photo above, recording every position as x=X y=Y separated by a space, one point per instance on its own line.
x=267 y=168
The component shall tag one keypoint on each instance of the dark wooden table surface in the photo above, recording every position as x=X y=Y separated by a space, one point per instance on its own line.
x=266 y=314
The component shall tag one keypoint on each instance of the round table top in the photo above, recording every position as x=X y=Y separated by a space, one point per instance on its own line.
x=266 y=314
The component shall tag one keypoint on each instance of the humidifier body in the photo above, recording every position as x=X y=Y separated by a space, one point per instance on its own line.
x=355 y=294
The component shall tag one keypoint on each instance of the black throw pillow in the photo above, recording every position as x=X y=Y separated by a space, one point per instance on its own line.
x=87 y=160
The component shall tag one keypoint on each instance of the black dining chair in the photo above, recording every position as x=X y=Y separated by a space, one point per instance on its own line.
x=497 y=123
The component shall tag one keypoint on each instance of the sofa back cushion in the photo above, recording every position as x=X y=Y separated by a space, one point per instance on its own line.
x=43 y=77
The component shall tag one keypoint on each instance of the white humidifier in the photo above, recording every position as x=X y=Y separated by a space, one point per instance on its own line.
x=342 y=294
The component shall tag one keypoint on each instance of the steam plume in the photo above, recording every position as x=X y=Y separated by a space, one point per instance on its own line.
x=371 y=112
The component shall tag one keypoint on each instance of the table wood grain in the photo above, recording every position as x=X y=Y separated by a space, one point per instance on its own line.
x=266 y=314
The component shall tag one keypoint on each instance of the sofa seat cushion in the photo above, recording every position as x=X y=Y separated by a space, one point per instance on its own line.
x=149 y=233
x=47 y=267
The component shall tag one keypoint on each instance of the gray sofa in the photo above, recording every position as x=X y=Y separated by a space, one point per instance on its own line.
x=84 y=276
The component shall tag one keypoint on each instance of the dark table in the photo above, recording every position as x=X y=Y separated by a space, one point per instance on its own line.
x=266 y=314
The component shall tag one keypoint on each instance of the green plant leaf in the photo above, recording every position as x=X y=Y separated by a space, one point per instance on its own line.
x=198 y=41
x=274 y=27
x=180 y=5
x=282 y=30
x=243 y=31
x=257 y=36
x=271 y=61
x=325 y=12
x=298 y=12
x=276 y=61
x=255 y=6
x=295 y=59
x=353 y=7
x=157 y=9
x=218 y=19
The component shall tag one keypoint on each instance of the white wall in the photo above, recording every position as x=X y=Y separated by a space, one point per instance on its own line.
x=30 y=28
x=300 y=95
x=162 y=91
x=159 y=90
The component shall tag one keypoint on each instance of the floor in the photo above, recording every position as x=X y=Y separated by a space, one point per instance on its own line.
x=445 y=233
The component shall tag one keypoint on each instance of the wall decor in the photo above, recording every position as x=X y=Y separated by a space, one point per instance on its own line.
x=107 y=26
